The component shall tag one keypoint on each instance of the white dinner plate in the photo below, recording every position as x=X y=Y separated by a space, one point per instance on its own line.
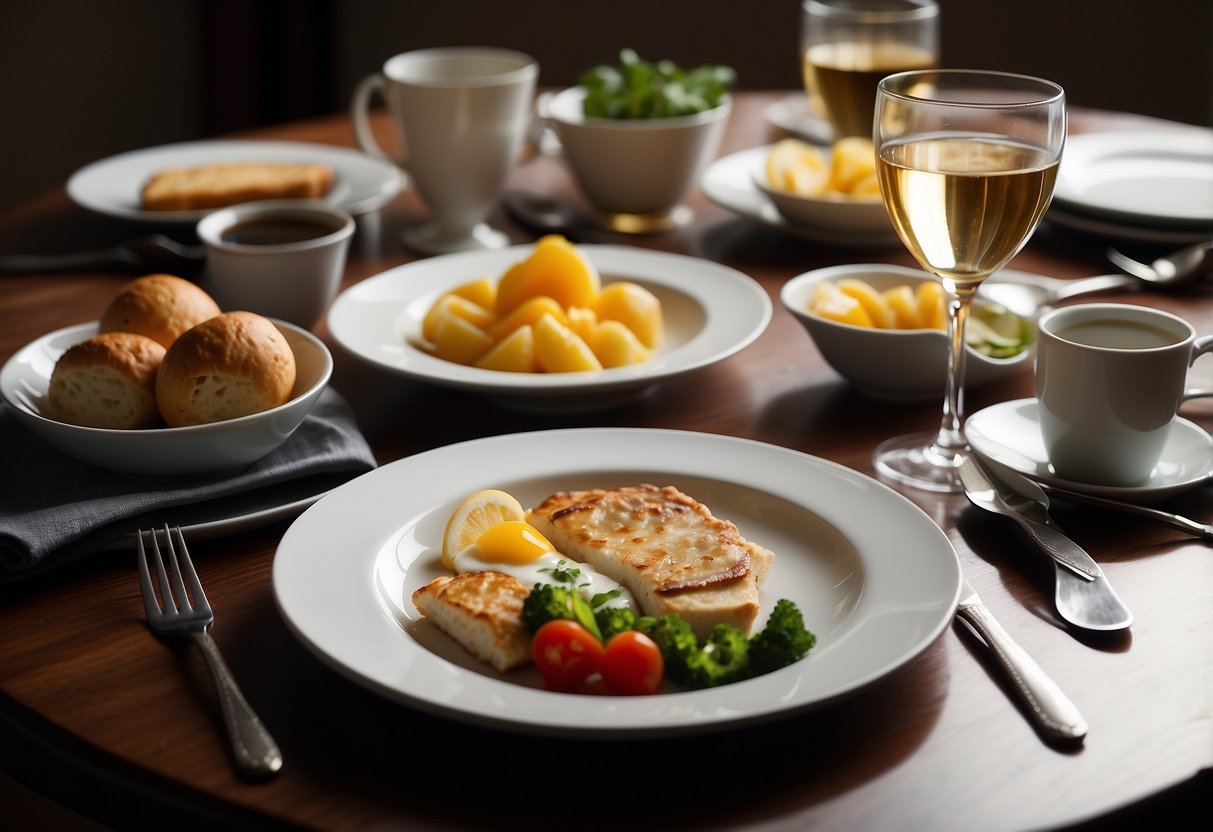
x=710 y=312
x=1105 y=227
x=729 y=182
x=1008 y=435
x=875 y=578
x=112 y=186
x=1139 y=179
x=793 y=115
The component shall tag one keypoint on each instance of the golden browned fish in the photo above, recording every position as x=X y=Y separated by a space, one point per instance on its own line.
x=665 y=547
x=483 y=612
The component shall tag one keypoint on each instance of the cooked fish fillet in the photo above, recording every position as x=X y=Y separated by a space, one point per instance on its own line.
x=483 y=612
x=665 y=547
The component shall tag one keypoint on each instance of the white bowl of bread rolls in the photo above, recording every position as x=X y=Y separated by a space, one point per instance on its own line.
x=165 y=384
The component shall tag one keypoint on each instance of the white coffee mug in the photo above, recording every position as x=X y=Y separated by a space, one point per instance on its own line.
x=1109 y=380
x=461 y=116
x=279 y=258
x=635 y=173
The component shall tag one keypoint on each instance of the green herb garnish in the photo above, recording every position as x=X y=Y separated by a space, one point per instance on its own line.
x=637 y=89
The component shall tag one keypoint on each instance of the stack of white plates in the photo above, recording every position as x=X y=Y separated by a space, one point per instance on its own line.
x=1146 y=187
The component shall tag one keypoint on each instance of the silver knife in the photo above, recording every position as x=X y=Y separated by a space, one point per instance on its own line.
x=1083 y=595
x=1055 y=716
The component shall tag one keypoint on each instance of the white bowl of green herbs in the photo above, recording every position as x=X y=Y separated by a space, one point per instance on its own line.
x=637 y=137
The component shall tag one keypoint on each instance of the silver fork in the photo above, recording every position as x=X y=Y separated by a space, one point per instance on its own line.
x=255 y=752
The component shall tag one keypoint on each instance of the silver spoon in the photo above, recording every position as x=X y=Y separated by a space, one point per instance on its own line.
x=154 y=253
x=1028 y=298
x=1181 y=267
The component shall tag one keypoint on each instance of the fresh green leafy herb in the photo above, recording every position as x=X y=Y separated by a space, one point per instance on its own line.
x=637 y=89
x=563 y=573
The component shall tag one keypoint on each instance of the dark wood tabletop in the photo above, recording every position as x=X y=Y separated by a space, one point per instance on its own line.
x=105 y=718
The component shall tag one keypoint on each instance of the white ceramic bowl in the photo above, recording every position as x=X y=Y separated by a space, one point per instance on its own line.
x=642 y=167
x=889 y=364
x=163 y=452
x=849 y=215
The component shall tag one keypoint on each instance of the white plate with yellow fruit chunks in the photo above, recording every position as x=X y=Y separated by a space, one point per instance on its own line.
x=882 y=328
x=681 y=314
x=875 y=594
x=740 y=183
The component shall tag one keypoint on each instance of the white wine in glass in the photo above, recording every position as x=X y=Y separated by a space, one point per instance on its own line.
x=967 y=161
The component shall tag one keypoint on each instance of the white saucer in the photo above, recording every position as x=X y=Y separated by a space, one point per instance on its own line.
x=794 y=115
x=1007 y=435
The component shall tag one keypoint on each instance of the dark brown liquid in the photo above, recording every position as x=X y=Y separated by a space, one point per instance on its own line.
x=276 y=232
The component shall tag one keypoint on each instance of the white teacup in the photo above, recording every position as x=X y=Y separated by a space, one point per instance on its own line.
x=461 y=116
x=278 y=258
x=635 y=173
x=1109 y=380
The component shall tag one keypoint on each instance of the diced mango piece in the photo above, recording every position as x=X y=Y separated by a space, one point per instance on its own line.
x=615 y=345
x=797 y=167
x=833 y=304
x=452 y=304
x=559 y=350
x=514 y=354
x=527 y=314
x=633 y=306
x=905 y=307
x=583 y=321
x=555 y=268
x=852 y=159
x=458 y=340
x=872 y=301
x=482 y=292
x=931 y=311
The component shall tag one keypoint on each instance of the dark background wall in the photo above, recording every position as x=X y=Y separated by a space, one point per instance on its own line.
x=85 y=79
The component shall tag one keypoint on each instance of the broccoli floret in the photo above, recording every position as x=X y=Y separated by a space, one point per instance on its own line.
x=721 y=659
x=548 y=602
x=614 y=620
x=783 y=641
x=675 y=638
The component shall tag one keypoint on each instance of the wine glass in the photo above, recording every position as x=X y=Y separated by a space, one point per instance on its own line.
x=967 y=161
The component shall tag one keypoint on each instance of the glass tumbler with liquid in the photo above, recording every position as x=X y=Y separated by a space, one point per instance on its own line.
x=847 y=46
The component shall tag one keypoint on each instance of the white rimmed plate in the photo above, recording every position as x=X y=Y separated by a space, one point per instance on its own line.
x=163 y=452
x=729 y=182
x=1008 y=435
x=876 y=579
x=710 y=312
x=111 y=186
x=1139 y=179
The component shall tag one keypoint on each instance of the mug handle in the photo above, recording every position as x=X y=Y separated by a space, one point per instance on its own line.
x=359 y=113
x=1200 y=346
x=540 y=135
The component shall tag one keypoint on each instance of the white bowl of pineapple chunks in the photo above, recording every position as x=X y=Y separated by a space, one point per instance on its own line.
x=882 y=328
x=830 y=189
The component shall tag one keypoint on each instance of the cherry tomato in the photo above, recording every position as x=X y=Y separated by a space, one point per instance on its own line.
x=632 y=664
x=565 y=654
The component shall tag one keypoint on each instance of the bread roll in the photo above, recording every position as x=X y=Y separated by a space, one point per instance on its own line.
x=108 y=381
x=159 y=306
x=228 y=366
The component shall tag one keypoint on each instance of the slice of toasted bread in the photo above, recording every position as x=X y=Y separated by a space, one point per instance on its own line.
x=483 y=612
x=665 y=547
x=220 y=184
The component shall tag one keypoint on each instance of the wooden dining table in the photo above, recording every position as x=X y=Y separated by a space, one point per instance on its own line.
x=104 y=718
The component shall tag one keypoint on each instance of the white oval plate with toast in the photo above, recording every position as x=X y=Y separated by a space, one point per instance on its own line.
x=111 y=186
x=875 y=593
x=710 y=312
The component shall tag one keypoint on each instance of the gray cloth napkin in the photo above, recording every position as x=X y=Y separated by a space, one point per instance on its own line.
x=55 y=509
